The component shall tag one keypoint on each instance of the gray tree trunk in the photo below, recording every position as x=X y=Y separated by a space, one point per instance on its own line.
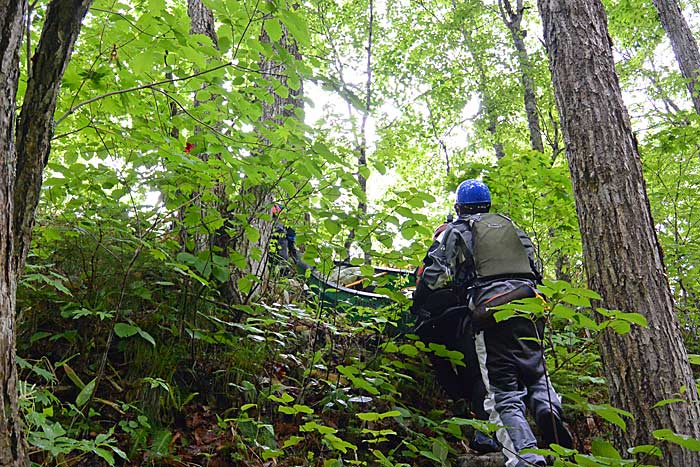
x=684 y=45
x=362 y=149
x=513 y=19
x=487 y=104
x=24 y=152
x=202 y=22
x=622 y=254
x=258 y=199
x=12 y=14
x=36 y=120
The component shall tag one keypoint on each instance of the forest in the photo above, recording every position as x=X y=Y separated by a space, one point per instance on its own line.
x=156 y=156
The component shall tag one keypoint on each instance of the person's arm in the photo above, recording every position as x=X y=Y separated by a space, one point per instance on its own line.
x=531 y=254
x=444 y=260
x=422 y=291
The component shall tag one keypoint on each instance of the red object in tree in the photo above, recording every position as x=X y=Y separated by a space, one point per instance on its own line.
x=188 y=147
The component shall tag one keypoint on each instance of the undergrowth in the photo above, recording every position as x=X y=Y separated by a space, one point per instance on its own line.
x=187 y=380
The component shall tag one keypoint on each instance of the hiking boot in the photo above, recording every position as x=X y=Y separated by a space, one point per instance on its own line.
x=483 y=444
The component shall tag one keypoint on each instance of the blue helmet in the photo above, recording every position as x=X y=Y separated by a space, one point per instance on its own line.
x=473 y=192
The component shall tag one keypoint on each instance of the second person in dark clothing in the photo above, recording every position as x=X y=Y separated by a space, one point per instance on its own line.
x=486 y=261
x=441 y=320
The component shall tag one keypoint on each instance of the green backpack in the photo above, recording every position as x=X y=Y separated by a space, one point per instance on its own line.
x=497 y=249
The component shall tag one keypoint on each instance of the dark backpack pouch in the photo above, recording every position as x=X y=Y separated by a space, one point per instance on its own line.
x=483 y=314
x=444 y=317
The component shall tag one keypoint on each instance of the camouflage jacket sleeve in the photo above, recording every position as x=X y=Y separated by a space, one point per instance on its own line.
x=446 y=258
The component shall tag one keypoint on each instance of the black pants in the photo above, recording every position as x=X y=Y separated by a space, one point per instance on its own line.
x=449 y=325
x=462 y=382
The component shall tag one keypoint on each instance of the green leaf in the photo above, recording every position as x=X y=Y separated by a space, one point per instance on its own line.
x=564 y=312
x=481 y=425
x=331 y=226
x=303 y=409
x=576 y=300
x=586 y=293
x=104 y=454
x=612 y=415
x=619 y=326
x=666 y=402
x=268 y=454
x=373 y=416
x=147 y=337
x=440 y=450
x=220 y=273
x=646 y=449
x=252 y=234
x=245 y=284
x=73 y=376
x=583 y=460
x=682 y=440
x=635 y=318
x=38 y=336
x=562 y=451
x=368 y=416
x=274 y=30
x=313 y=426
x=292 y=441
x=297 y=26
x=603 y=448
x=503 y=315
x=285 y=399
x=161 y=442
x=431 y=456
x=339 y=444
x=85 y=393
x=125 y=330
x=409 y=350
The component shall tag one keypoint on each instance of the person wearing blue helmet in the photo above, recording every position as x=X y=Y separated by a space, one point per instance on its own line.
x=485 y=261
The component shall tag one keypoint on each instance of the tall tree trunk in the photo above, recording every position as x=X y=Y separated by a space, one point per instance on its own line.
x=513 y=19
x=36 y=120
x=622 y=254
x=12 y=14
x=23 y=156
x=202 y=22
x=486 y=105
x=684 y=46
x=362 y=153
x=257 y=199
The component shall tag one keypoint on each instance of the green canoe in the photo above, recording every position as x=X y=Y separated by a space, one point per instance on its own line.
x=358 y=291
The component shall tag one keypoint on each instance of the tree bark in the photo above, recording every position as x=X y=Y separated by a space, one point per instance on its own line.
x=202 y=20
x=622 y=254
x=362 y=149
x=513 y=19
x=23 y=155
x=487 y=104
x=35 y=124
x=12 y=14
x=684 y=46
x=256 y=200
